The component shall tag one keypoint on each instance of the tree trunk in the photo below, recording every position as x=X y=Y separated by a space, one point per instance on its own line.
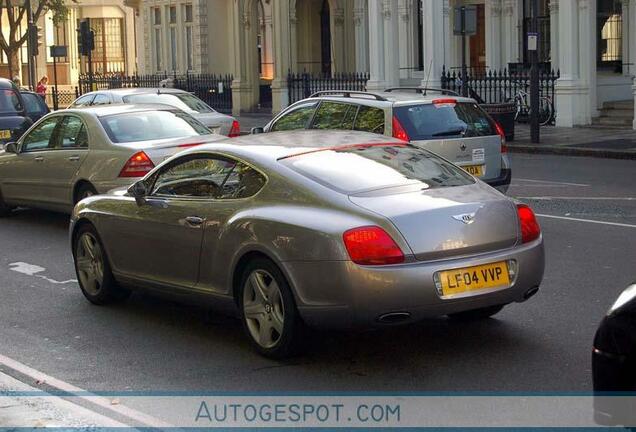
x=14 y=64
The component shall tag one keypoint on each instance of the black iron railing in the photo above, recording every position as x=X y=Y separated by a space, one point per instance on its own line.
x=500 y=86
x=61 y=98
x=215 y=90
x=303 y=85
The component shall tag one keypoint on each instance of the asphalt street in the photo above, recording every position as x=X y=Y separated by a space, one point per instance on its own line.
x=154 y=344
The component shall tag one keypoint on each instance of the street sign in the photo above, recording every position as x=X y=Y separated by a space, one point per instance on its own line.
x=468 y=25
x=58 y=50
x=533 y=41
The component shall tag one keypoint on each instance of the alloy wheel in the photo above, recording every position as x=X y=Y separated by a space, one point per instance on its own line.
x=263 y=308
x=90 y=263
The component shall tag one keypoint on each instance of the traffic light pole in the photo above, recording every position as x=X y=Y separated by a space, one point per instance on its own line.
x=535 y=132
x=30 y=47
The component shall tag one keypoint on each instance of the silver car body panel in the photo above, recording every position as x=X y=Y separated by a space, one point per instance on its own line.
x=48 y=178
x=299 y=223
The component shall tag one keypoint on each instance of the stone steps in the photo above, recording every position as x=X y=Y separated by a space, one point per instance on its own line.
x=617 y=114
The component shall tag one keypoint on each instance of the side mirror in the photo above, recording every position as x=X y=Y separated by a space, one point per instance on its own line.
x=257 y=130
x=11 y=147
x=139 y=190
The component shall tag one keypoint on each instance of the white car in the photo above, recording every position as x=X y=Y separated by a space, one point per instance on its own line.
x=217 y=122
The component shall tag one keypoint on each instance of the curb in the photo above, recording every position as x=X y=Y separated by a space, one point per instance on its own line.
x=572 y=151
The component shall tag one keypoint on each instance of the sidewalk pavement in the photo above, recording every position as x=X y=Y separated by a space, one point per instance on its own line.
x=578 y=141
x=23 y=406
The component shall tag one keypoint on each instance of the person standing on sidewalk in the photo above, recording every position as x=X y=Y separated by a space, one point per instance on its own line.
x=41 y=87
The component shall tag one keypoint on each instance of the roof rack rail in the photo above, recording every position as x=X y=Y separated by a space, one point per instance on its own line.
x=423 y=90
x=348 y=94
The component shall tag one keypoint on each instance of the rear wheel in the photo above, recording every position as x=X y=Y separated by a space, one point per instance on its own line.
x=84 y=191
x=546 y=111
x=477 y=314
x=268 y=310
x=93 y=269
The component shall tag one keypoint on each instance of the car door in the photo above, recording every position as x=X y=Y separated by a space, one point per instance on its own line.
x=160 y=242
x=70 y=148
x=25 y=174
x=297 y=117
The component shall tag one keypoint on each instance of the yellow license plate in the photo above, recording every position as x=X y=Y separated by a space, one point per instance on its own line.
x=5 y=134
x=476 y=170
x=476 y=278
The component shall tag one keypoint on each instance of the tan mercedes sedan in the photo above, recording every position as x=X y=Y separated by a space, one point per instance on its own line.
x=71 y=154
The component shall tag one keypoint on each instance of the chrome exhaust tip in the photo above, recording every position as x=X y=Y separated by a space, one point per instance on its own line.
x=394 y=317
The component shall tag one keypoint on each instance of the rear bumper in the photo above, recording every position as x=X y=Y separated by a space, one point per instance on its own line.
x=503 y=181
x=341 y=294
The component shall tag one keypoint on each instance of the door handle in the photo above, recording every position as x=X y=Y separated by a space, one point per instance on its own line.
x=39 y=159
x=74 y=158
x=194 y=220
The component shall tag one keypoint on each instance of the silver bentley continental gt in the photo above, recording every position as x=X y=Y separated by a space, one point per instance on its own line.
x=311 y=228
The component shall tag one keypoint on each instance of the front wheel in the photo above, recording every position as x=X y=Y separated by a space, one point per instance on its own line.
x=93 y=269
x=268 y=310
x=477 y=314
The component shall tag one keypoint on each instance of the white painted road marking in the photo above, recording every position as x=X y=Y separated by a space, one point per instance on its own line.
x=552 y=182
x=624 y=225
x=100 y=401
x=33 y=270
x=579 y=198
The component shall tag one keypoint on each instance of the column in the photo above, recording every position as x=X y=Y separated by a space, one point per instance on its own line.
x=587 y=59
x=436 y=35
x=282 y=18
x=391 y=43
x=494 y=40
x=361 y=24
x=241 y=85
x=554 y=34
x=338 y=44
x=377 y=80
x=406 y=42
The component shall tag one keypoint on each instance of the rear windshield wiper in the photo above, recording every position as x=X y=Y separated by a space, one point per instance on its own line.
x=451 y=132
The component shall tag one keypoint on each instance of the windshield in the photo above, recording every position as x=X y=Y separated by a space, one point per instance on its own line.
x=437 y=120
x=9 y=101
x=183 y=101
x=367 y=167
x=151 y=125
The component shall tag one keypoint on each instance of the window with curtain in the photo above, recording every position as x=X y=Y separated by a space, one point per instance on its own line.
x=609 y=35
x=187 y=13
x=156 y=39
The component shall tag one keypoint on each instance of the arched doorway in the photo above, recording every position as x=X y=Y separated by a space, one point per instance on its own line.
x=325 y=37
x=313 y=36
x=265 y=52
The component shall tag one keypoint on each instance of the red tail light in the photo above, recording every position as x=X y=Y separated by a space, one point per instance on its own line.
x=235 y=130
x=502 y=134
x=137 y=166
x=371 y=245
x=438 y=103
x=530 y=229
x=398 y=130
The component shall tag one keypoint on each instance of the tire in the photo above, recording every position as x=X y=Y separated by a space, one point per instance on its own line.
x=5 y=209
x=84 y=191
x=546 y=111
x=477 y=314
x=268 y=310
x=93 y=269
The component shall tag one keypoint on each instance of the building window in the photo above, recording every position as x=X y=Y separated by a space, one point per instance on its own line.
x=609 y=35
x=109 y=55
x=187 y=13
x=420 y=36
x=172 y=31
x=54 y=35
x=156 y=39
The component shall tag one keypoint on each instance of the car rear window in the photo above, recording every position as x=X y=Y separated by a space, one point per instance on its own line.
x=439 y=120
x=183 y=101
x=151 y=125
x=9 y=101
x=368 y=167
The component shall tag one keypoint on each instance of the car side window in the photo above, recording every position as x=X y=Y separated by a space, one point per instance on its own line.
x=101 y=99
x=370 y=119
x=40 y=137
x=298 y=118
x=71 y=134
x=194 y=177
x=334 y=115
x=34 y=103
x=83 y=101
x=243 y=182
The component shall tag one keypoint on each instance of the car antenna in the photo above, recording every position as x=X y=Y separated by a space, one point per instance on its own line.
x=428 y=76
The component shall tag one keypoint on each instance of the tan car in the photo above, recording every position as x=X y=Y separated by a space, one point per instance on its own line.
x=71 y=154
